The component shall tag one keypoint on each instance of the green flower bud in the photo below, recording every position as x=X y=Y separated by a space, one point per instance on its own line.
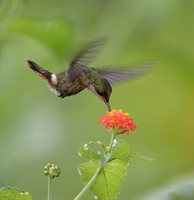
x=52 y=170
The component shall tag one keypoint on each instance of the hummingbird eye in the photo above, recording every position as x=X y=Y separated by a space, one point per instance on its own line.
x=100 y=92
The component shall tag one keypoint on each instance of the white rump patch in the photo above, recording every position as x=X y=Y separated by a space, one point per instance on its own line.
x=54 y=79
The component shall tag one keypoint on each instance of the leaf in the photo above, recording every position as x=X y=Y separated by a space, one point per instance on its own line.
x=121 y=150
x=133 y=155
x=108 y=184
x=13 y=193
x=54 y=33
x=86 y=151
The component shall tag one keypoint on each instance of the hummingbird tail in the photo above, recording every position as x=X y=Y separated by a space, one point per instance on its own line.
x=40 y=71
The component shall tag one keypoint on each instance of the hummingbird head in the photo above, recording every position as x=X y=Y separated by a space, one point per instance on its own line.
x=102 y=89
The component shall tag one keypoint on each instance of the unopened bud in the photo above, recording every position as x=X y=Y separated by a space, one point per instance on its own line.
x=52 y=170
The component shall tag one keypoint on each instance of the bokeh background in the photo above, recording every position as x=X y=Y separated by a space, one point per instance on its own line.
x=37 y=127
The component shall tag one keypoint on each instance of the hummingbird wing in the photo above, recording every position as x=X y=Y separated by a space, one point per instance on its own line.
x=124 y=72
x=84 y=57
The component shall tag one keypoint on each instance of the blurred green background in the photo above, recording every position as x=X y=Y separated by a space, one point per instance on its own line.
x=37 y=127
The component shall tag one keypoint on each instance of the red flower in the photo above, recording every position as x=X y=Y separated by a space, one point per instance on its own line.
x=118 y=120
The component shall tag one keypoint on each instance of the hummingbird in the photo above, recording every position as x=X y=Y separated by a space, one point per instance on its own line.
x=79 y=76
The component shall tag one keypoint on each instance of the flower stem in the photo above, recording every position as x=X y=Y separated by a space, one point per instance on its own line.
x=113 y=136
x=89 y=184
x=49 y=187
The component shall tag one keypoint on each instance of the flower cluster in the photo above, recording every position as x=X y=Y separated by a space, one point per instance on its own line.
x=52 y=170
x=117 y=120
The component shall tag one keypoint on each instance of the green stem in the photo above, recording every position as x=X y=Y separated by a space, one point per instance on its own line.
x=113 y=136
x=49 y=187
x=89 y=184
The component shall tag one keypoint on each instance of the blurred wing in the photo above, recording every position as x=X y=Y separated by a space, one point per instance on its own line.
x=84 y=57
x=126 y=72
x=90 y=51
x=74 y=71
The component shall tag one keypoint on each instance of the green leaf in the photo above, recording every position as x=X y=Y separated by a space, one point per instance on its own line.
x=133 y=155
x=13 y=193
x=109 y=182
x=86 y=151
x=55 y=33
x=121 y=150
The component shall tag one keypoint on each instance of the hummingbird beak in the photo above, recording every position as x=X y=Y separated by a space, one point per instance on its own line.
x=109 y=109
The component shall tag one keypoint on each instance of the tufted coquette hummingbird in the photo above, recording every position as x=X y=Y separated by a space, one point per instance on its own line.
x=79 y=76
